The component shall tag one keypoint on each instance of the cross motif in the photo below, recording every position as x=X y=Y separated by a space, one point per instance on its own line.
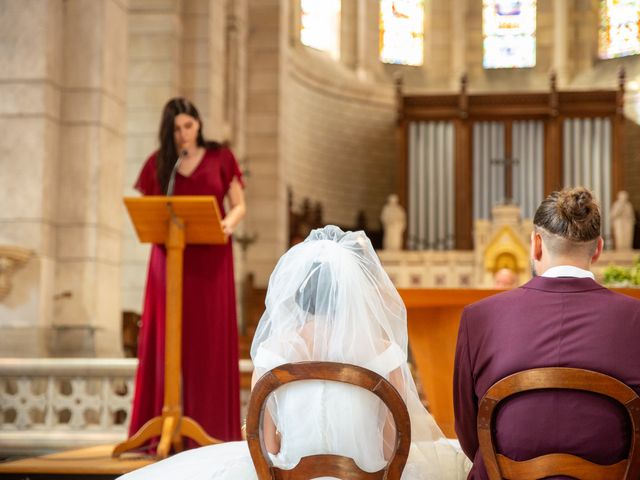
x=508 y=163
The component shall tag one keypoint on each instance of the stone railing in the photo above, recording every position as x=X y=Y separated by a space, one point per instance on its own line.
x=430 y=268
x=52 y=404
x=59 y=403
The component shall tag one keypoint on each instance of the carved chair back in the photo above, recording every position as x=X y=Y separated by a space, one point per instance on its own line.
x=500 y=467
x=325 y=464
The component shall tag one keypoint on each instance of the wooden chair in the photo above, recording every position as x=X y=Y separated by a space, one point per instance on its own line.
x=500 y=467
x=324 y=464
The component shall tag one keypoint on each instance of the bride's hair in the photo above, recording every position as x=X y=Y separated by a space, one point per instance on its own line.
x=312 y=295
x=307 y=294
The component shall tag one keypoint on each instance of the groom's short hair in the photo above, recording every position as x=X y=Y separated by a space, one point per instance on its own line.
x=569 y=220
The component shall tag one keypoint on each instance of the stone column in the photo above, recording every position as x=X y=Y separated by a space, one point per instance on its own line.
x=349 y=33
x=89 y=211
x=30 y=84
x=235 y=103
x=203 y=62
x=218 y=92
x=155 y=50
x=561 y=42
x=459 y=46
x=584 y=19
x=266 y=195
x=235 y=127
x=368 y=61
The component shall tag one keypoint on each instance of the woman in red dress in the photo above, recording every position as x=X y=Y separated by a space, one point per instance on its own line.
x=210 y=377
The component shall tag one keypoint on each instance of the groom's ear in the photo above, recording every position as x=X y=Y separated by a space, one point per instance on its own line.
x=536 y=246
x=598 y=250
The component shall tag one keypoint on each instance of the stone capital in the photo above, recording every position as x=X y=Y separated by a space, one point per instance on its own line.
x=11 y=258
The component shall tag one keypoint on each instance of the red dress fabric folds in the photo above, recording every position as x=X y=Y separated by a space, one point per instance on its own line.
x=210 y=377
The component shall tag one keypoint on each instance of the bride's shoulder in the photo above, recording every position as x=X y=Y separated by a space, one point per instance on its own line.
x=279 y=350
x=390 y=357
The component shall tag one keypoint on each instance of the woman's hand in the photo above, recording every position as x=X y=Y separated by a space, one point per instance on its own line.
x=238 y=207
x=227 y=226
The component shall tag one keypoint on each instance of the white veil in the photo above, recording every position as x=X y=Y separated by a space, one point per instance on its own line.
x=329 y=299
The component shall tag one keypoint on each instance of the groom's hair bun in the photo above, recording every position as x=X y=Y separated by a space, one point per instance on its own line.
x=571 y=213
x=569 y=219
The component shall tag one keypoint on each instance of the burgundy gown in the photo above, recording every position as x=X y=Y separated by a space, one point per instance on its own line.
x=210 y=376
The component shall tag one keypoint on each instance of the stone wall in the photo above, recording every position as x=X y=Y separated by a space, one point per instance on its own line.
x=266 y=195
x=338 y=137
x=62 y=112
x=89 y=179
x=155 y=39
x=30 y=96
x=177 y=48
x=338 y=121
x=203 y=62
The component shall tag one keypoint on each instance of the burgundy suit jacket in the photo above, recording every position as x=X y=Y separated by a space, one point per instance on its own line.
x=548 y=322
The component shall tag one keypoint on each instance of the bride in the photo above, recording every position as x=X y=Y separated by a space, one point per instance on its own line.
x=329 y=299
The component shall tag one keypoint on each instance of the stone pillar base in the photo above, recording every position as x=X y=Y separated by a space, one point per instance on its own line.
x=72 y=341
x=22 y=342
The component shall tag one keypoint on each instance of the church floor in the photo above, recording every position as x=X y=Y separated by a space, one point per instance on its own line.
x=83 y=463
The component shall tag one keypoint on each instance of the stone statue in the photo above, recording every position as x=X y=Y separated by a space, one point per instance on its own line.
x=394 y=222
x=623 y=220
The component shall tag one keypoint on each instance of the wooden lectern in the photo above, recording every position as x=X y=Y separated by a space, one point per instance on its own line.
x=173 y=221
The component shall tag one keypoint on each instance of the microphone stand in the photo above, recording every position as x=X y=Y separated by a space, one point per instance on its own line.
x=172 y=177
x=172 y=181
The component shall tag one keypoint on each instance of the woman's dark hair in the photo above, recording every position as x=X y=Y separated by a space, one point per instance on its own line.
x=572 y=214
x=168 y=153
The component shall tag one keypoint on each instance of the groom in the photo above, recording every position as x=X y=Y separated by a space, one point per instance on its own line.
x=562 y=317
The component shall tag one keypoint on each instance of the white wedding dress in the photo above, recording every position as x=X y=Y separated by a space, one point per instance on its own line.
x=363 y=325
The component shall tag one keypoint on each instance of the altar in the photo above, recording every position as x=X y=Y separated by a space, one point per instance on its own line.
x=433 y=318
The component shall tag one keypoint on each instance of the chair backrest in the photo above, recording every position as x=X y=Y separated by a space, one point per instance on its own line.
x=500 y=467
x=324 y=464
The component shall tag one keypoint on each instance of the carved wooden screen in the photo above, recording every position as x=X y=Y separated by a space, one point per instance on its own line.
x=507 y=165
x=511 y=146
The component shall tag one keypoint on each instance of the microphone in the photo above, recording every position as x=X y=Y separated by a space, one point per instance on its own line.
x=172 y=177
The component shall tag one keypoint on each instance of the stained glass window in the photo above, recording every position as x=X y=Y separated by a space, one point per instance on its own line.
x=619 y=28
x=321 y=25
x=402 y=31
x=509 y=33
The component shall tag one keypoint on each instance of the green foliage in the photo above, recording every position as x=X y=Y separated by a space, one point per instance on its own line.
x=617 y=275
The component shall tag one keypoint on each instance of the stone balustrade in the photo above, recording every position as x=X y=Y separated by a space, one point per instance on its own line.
x=49 y=404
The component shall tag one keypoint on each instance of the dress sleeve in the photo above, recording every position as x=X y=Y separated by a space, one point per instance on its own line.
x=390 y=359
x=230 y=169
x=279 y=350
x=147 y=182
x=267 y=360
